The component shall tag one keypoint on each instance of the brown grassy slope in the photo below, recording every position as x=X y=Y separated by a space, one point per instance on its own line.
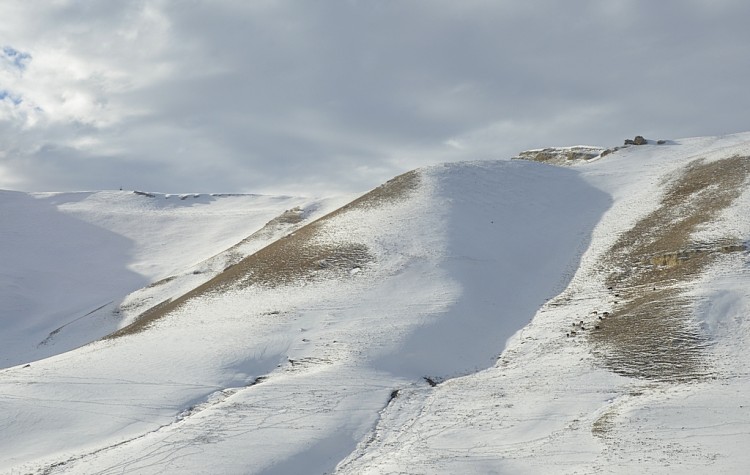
x=298 y=256
x=651 y=335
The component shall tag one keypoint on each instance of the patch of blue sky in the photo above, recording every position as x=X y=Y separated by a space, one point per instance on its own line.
x=17 y=58
x=6 y=95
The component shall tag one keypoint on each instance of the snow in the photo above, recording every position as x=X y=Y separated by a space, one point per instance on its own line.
x=548 y=407
x=445 y=353
x=69 y=259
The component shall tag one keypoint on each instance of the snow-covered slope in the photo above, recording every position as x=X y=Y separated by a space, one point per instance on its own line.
x=423 y=328
x=562 y=403
x=69 y=259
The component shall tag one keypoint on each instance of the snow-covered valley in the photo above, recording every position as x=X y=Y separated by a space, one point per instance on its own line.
x=473 y=317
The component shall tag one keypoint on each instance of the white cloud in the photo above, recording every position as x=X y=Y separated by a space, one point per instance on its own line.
x=264 y=95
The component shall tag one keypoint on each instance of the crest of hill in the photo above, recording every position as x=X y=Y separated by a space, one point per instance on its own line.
x=302 y=255
x=581 y=153
x=561 y=155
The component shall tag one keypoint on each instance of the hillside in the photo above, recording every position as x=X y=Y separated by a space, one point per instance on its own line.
x=475 y=317
x=70 y=260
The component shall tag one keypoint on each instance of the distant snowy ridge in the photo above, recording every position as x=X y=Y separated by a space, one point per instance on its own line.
x=71 y=259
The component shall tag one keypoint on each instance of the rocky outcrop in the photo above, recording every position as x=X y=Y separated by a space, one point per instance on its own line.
x=561 y=155
x=638 y=140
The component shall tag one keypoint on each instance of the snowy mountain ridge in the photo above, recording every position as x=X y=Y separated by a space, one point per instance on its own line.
x=476 y=317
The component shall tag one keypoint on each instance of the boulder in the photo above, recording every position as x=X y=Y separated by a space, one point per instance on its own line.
x=638 y=140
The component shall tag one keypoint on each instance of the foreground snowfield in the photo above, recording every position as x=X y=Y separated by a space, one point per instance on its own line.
x=423 y=329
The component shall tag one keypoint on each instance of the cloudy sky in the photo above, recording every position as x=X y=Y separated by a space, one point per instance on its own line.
x=313 y=97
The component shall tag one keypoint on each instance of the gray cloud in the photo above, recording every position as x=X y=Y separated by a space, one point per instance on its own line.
x=311 y=97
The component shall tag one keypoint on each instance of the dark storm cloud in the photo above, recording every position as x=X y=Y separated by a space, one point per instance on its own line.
x=299 y=96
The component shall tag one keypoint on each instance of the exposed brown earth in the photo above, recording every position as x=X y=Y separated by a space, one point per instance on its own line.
x=286 y=222
x=650 y=333
x=302 y=255
x=161 y=282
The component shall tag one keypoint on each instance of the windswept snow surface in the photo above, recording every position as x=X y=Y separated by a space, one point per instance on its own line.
x=67 y=260
x=445 y=353
x=460 y=263
x=548 y=406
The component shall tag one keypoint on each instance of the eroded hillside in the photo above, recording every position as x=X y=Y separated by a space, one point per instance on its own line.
x=651 y=332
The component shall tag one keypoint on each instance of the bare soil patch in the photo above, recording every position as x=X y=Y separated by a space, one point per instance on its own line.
x=650 y=333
